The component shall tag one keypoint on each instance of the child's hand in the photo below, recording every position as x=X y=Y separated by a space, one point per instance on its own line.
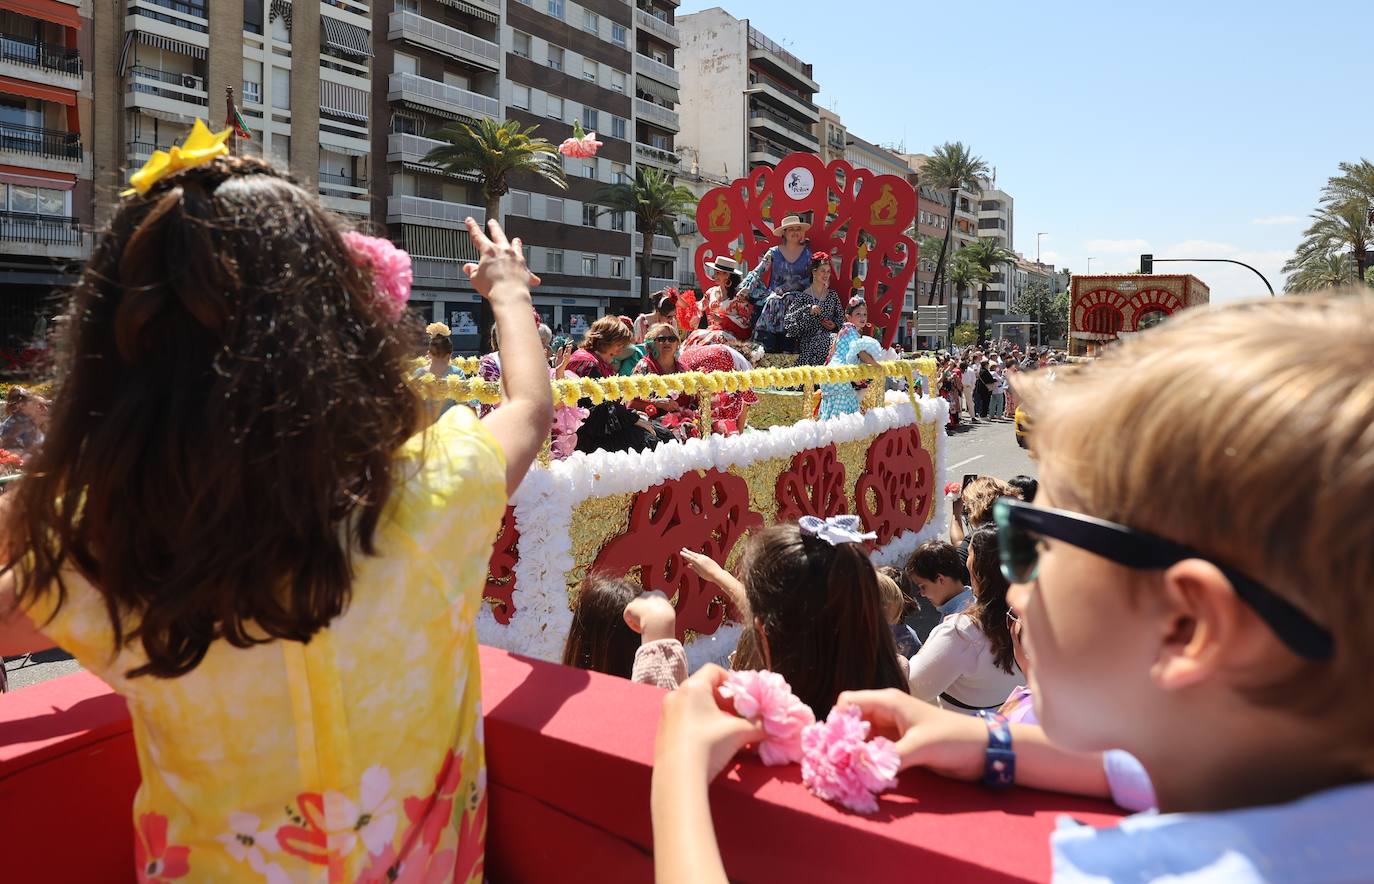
x=946 y=742
x=699 y=732
x=703 y=566
x=502 y=267
x=564 y=357
x=652 y=616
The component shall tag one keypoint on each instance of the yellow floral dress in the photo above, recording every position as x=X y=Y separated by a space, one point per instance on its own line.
x=356 y=757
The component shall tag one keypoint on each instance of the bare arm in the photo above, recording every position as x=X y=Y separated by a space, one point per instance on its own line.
x=956 y=521
x=706 y=568
x=522 y=422
x=18 y=634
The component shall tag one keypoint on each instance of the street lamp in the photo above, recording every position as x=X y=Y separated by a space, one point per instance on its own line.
x=1037 y=246
x=1090 y=266
x=1039 y=313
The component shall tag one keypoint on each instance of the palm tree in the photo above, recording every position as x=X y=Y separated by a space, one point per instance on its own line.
x=1322 y=272
x=985 y=254
x=950 y=167
x=964 y=273
x=656 y=199
x=495 y=151
x=1338 y=228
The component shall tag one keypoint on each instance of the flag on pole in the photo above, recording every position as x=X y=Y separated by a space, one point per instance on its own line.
x=234 y=119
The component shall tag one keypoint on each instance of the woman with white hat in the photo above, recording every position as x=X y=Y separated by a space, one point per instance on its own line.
x=729 y=315
x=783 y=269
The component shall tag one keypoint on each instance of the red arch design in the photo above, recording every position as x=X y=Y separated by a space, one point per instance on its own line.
x=1103 y=319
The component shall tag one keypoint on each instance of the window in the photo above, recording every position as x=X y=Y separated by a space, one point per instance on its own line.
x=618 y=127
x=405 y=64
x=588 y=215
x=454 y=78
x=408 y=6
x=556 y=57
x=591 y=21
x=252 y=16
x=618 y=35
x=555 y=107
x=519 y=203
x=618 y=268
x=618 y=175
x=589 y=70
x=556 y=8
x=590 y=118
x=520 y=96
x=281 y=88
x=553 y=209
x=618 y=81
x=280 y=32
x=589 y=170
x=589 y=265
x=252 y=82
x=521 y=44
x=281 y=148
x=618 y=223
x=554 y=262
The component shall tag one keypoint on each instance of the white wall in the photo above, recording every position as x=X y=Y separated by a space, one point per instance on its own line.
x=714 y=63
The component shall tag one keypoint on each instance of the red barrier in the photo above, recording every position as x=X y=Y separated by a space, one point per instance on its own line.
x=569 y=755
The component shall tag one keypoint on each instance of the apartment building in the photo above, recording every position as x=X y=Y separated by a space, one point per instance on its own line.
x=831 y=134
x=932 y=219
x=746 y=100
x=46 y=189
x=996 y=214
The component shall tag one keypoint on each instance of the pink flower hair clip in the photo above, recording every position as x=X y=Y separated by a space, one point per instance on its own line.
x=391 y=272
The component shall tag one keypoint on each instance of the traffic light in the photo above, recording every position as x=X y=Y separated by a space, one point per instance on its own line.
x=1147 y=263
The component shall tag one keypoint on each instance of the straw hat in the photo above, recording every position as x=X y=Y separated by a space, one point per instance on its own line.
x=791 y=221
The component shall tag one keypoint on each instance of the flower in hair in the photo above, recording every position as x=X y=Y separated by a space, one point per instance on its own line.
x=766 y=699
x=391 y=273
x=582 y=144
x=820 y=257
x=840 y=764
x=201 y=147
x=437 y=328
x=835 y=530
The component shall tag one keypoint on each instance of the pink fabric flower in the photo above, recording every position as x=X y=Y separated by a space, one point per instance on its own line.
x=391 y=273
x=568 y=419
x=564 y=445
x=839 y=766
x=585 y=146
x=766 y=699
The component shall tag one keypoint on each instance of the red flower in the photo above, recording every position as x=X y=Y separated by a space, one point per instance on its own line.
x=430 y=815
x=472 y=844
x=157 y=860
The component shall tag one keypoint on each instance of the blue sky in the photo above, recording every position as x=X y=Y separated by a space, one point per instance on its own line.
x=1186 y=129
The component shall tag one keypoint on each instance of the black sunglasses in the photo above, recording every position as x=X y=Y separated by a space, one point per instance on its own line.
x=665 y=339
x=1019 y=525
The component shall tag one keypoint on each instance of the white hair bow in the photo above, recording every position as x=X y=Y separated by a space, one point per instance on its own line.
x=835 y=530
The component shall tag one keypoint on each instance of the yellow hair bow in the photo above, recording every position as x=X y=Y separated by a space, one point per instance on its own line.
x=201 y=147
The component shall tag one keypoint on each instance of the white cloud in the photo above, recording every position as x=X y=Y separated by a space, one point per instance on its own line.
x=1277 y=220
x=1112 y=246
x=1050 y=256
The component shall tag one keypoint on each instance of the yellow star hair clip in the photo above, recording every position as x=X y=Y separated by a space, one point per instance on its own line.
x=201 y=147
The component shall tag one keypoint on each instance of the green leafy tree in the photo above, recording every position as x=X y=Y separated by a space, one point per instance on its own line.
x=656 y=200
x=951 y=166
x=1322 y=272
x=1342 y=226
x=1047 y=308
x=496 y=151
x=987 y=253
x=963 y=273
x=964 y=334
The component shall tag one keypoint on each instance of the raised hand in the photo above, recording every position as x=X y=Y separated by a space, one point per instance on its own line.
x=502 y=262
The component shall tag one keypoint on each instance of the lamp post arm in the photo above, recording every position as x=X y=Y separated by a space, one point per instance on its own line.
x=1221 y=261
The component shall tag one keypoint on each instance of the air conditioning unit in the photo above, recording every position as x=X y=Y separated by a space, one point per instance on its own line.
x=188 y=81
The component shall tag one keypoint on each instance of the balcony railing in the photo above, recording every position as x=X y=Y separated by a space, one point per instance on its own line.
x=49 y=230
x=759 y=41
x=174 y=85
x=196 y=9
x=406 y=148
x=37 y=142
x=657 y=113
x=343 y=180
x=442 y=269
x=138 y=152
x=757 y=109
x=442 y=38
x=652 y=67
x=37 y=54
x=656 y=155
x=414 y=208
x=658 y=26
x=661 y=243
x=432 y=93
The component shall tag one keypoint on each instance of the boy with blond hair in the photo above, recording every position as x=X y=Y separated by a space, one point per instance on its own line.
x=1195 y=582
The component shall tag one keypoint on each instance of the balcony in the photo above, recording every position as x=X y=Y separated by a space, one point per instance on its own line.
x=137 y=153
x=441 y=38
x=778 y=125
x=174 y=93
x=43 y=62
x=657 y=114
x=656 y=284
x=418 y=210
x=441 y=97
x=663 y=245
x=357 y=206
x=437 y=271
x=402 y=147
x=766 y=153
x=656 y=156
x=787 y=100
x=658 y=27
x=146 y=14
x=54 y=236
x=47 y=144
x=657 y=70
x=765 y=50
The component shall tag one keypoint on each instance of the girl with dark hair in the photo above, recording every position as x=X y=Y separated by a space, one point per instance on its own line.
x=728 y=313
x=967 y=664
x=817 y=612
x=852 y=347
x=619 y=630
x=814 y=313
x=235 y=493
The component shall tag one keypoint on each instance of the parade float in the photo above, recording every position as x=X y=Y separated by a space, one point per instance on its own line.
x=1104 y=308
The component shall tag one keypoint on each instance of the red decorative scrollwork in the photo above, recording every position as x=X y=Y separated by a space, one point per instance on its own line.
x=500 y=588
x=707 y=512
x=812 y=486
x=895 y=493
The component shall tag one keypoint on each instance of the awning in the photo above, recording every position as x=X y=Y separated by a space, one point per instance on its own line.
x=48 y=10
x=36 y=177
x=343 y=101
x=435 y=170
x=11 y=86
x=438 y=242
x=280 y=9
x=147 y=38
x=349 y=39
x=661 y=91
x=472 y=9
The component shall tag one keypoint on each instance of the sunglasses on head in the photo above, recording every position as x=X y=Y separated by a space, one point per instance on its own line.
x=1021 y=525
x=665 y=339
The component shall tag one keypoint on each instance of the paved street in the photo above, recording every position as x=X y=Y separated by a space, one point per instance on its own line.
x=988 y=449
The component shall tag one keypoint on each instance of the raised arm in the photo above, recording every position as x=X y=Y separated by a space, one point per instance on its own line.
x=522 y=422
x=752 y=286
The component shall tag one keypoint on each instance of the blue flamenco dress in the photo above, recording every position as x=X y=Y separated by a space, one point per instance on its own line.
x=777 y=277
x=842 y=398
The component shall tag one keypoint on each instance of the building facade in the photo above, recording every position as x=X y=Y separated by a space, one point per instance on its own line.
x=996 y=215
x=933 y=219
x=46 y=186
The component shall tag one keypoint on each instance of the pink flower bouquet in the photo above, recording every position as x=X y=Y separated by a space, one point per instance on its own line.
x=766 y=699
x=839 y=766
